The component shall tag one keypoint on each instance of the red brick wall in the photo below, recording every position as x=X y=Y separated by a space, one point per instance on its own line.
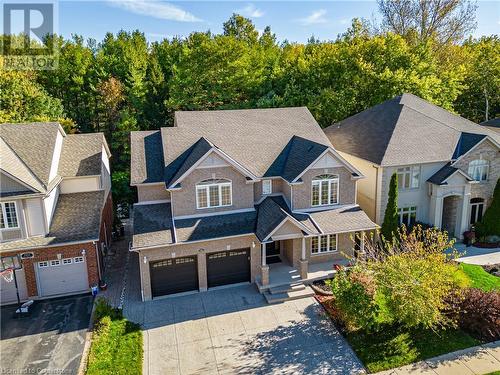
x=50 y=253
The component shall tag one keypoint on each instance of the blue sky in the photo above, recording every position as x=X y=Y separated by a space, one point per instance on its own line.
x=292 y=20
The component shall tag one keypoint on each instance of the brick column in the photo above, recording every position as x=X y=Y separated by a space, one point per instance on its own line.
x=202 y=272
x=264 y=271
x=303 y=268
x=29 y=274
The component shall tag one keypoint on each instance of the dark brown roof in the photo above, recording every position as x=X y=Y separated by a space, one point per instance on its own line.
x=81 y=155
x=146 y=154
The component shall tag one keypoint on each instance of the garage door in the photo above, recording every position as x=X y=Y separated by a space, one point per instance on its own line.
x=8 y=289
x=173 y=276
x=62 y=276
x=228 y=267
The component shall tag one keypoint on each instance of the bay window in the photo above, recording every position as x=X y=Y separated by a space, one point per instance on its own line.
x=213 y=193
x=325 y=190
x=8 y=216
x=408 y=177
x=478 y=169
x=324 y=244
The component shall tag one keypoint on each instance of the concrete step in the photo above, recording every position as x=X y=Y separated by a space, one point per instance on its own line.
x=288 y=296
x=287 y=288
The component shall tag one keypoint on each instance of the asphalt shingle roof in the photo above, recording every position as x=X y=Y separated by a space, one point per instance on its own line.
x=342 y=219
x=152 y=225
x=34 y=144
x=403 y=130
x=441 y=175
x=81 y=155
x=494 y=123
x=147 y=164
x=466 y=142
x=77 y=217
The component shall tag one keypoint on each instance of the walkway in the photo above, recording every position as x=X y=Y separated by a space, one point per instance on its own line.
x=481 y=359
x=476 y=255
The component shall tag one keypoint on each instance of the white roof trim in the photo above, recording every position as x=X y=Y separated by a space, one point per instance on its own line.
x=19 y=181
x=293 y=221
x=487 y=137
x=338 y=156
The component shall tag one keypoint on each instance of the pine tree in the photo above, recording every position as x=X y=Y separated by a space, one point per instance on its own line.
x=490 y=223
x=391 y=217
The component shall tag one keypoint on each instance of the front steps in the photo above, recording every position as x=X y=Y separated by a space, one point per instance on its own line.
x=287 y=293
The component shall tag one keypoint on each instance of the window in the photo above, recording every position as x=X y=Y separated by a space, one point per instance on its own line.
x=476 y=210
x=267 y=187
x=67 y=261
x=407 y=216
x=78 y=260
x=213 y=193
x=478 y=169
x=43 y=264
x=324 y=244
x=408 y=177
x=8 y=217
x=325 y=190
x=55 y=262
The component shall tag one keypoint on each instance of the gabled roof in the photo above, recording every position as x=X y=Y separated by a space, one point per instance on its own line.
x=146 y=154
x=494 y=122
x=440 y=177
x=152 y=225
x=34 y=144
x=296 y=156
x=466 y=142
x=403 y=130
x=81 y=155
x=348 y=218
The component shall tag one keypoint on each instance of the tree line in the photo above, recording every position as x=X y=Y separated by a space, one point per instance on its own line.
x=124 y=83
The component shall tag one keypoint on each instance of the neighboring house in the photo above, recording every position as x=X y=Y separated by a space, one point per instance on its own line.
x=241 y=196
x=56 y=209
x=493 y=124
x=447 y=166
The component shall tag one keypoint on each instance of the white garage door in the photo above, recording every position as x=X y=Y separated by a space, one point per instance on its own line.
x=62 y=276
x=8 y=289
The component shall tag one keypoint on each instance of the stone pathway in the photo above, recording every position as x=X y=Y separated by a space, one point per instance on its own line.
x=481 y=359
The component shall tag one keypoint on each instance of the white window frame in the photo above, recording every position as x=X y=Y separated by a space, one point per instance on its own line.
x=408 y=174
x=407 y=210
x=328 y=251
x=79 y=259
x=318 y=180
x=267 y=187
x=55 y=263
x=43 y=264
x=202 y=186
x=480 y=169
x=476 y=218
x=4 y=215
x=66 y=261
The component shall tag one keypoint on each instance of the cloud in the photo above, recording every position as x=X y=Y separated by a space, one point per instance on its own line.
x=156 y=9
x=316 y=17
x=251 y=11
x=344 y=21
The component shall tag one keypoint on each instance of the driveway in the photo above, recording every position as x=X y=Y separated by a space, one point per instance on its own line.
x=50 y=341
x=233 y=331
x=478 y=256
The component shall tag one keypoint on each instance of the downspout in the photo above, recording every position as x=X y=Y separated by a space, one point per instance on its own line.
x=98 y=262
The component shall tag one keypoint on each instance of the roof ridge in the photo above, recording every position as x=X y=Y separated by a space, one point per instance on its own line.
x=392 y=131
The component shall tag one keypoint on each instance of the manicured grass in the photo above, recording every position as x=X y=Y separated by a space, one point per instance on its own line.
x=479 y=278
x=393 y=347
x=116 y=346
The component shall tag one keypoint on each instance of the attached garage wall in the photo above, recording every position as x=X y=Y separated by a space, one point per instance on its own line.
x=62 y=276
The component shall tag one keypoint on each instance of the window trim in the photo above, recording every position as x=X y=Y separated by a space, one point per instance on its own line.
x=43 y=264
x=476 y=204
x=410 y=172
x=80 y=259
x=4 y=215
x=485 y=164
x=318 y=181
x=206 y=187
x=409 y=212
x=67 y=261
x=264 y=182
x=55 y=263
x=318 y=238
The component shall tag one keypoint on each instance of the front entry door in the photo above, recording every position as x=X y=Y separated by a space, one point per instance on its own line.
x=273 y=252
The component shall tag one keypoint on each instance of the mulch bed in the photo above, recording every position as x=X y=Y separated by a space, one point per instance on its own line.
x=486 y=245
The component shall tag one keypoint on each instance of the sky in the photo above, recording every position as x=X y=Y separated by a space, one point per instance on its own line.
x=294 y=21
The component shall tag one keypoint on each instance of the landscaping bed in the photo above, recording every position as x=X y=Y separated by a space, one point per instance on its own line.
x=116 y=346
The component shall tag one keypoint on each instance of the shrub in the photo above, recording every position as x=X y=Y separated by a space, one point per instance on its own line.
x=490 y=223
x=480 y=314
x=103 y=309
x=354 y=293
x=391 y=218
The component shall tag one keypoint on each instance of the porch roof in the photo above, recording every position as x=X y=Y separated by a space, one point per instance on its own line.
x=440 y=177
x=349 y=218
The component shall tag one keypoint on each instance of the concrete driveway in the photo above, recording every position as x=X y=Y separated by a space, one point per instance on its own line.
x=233 y=331
x=50 y=341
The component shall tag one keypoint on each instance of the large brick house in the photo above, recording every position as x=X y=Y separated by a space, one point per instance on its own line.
x=241 y=196
x=56 y=209
x=447 y=166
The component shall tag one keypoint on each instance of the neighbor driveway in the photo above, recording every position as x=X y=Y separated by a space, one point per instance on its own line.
x=50 y=341
x=233 y=331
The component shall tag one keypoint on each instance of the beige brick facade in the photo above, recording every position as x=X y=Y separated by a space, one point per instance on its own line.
x=152 y=192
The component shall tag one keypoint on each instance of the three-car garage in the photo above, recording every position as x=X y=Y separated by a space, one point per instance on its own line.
x=181 y=274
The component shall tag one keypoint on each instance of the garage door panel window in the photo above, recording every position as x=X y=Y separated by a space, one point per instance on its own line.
x=54 y=263
x=67 y=261
x=213 y=193
x=79 y=259
x=8 y=216
x=43 y=264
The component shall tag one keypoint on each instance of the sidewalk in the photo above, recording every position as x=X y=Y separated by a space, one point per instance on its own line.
x=478 y=256
x=481 y=359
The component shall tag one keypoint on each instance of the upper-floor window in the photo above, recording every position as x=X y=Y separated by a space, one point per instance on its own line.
x=325 y=190
x=478 y=169
x=407 y=215
x=8 y=217
x=267 y=187
x=324 y=244
x=213 y=193
x=408 y=177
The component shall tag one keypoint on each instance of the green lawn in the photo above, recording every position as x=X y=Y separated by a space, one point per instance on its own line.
x=479 y=278
x=116 y=346
x=392 y=347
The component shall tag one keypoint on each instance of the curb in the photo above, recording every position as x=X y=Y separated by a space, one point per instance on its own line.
x=88 y=339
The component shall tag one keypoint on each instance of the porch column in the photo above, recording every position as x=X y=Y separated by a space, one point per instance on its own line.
x=438 y=212
x=362 y=243
x=264 y=268
x=303 y=263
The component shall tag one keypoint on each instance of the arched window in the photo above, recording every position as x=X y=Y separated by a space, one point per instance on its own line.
x=213 y=193
x=476 y=210
x=325 y=190
x=478 y=169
